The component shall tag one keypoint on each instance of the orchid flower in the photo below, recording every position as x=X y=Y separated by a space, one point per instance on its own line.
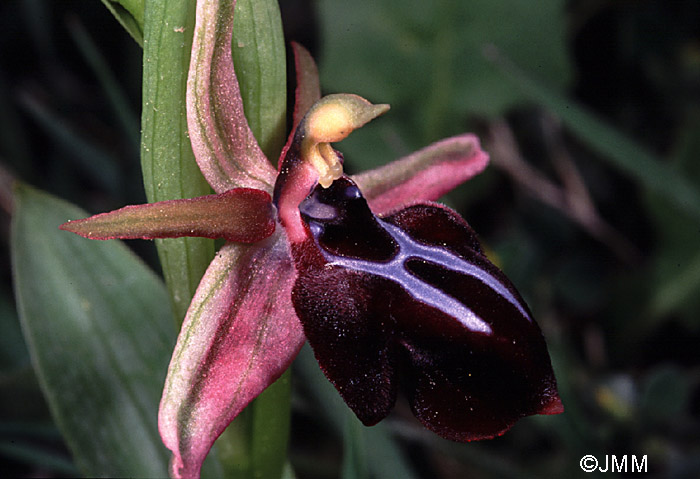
x=393 y=291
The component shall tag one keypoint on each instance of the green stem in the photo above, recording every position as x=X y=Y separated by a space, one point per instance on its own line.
x=255 y=445
x=169 y=168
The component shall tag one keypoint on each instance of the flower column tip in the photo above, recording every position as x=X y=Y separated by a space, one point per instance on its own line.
x=330 y=120
x=311 y=160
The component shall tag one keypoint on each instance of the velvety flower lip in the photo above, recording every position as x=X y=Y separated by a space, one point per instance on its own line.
x=392 y=290
x=405 y=300
x=409 y=302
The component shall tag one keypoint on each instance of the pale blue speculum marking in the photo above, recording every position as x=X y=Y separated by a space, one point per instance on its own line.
x=408 y=248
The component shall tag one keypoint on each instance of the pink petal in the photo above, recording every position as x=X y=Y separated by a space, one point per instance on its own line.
x=239 y=336
x=225 y=148
x=425 y=175
x=307 y=92
x=241 y=215
x=308 y=89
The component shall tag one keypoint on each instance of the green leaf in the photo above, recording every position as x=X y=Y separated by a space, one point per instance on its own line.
x=100 y=340
x=129 y=13
x=259 y=61
x=168 y=164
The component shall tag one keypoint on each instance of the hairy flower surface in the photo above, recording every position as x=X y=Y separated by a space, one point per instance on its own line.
x=393 y=292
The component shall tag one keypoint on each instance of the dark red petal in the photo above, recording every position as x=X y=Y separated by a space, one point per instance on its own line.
x=242 y=215
x=411 y=298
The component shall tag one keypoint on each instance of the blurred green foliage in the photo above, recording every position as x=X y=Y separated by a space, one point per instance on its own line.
x=619 y=305
x=115 y=359
x=426 y=58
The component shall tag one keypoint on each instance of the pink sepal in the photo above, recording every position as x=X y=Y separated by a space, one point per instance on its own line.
x=240 y=334
x=226 y=150
x=425 y=175
x=241 y=215
x=307 y=92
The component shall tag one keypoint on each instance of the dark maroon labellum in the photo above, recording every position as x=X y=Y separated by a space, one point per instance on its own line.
x=410 y=302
